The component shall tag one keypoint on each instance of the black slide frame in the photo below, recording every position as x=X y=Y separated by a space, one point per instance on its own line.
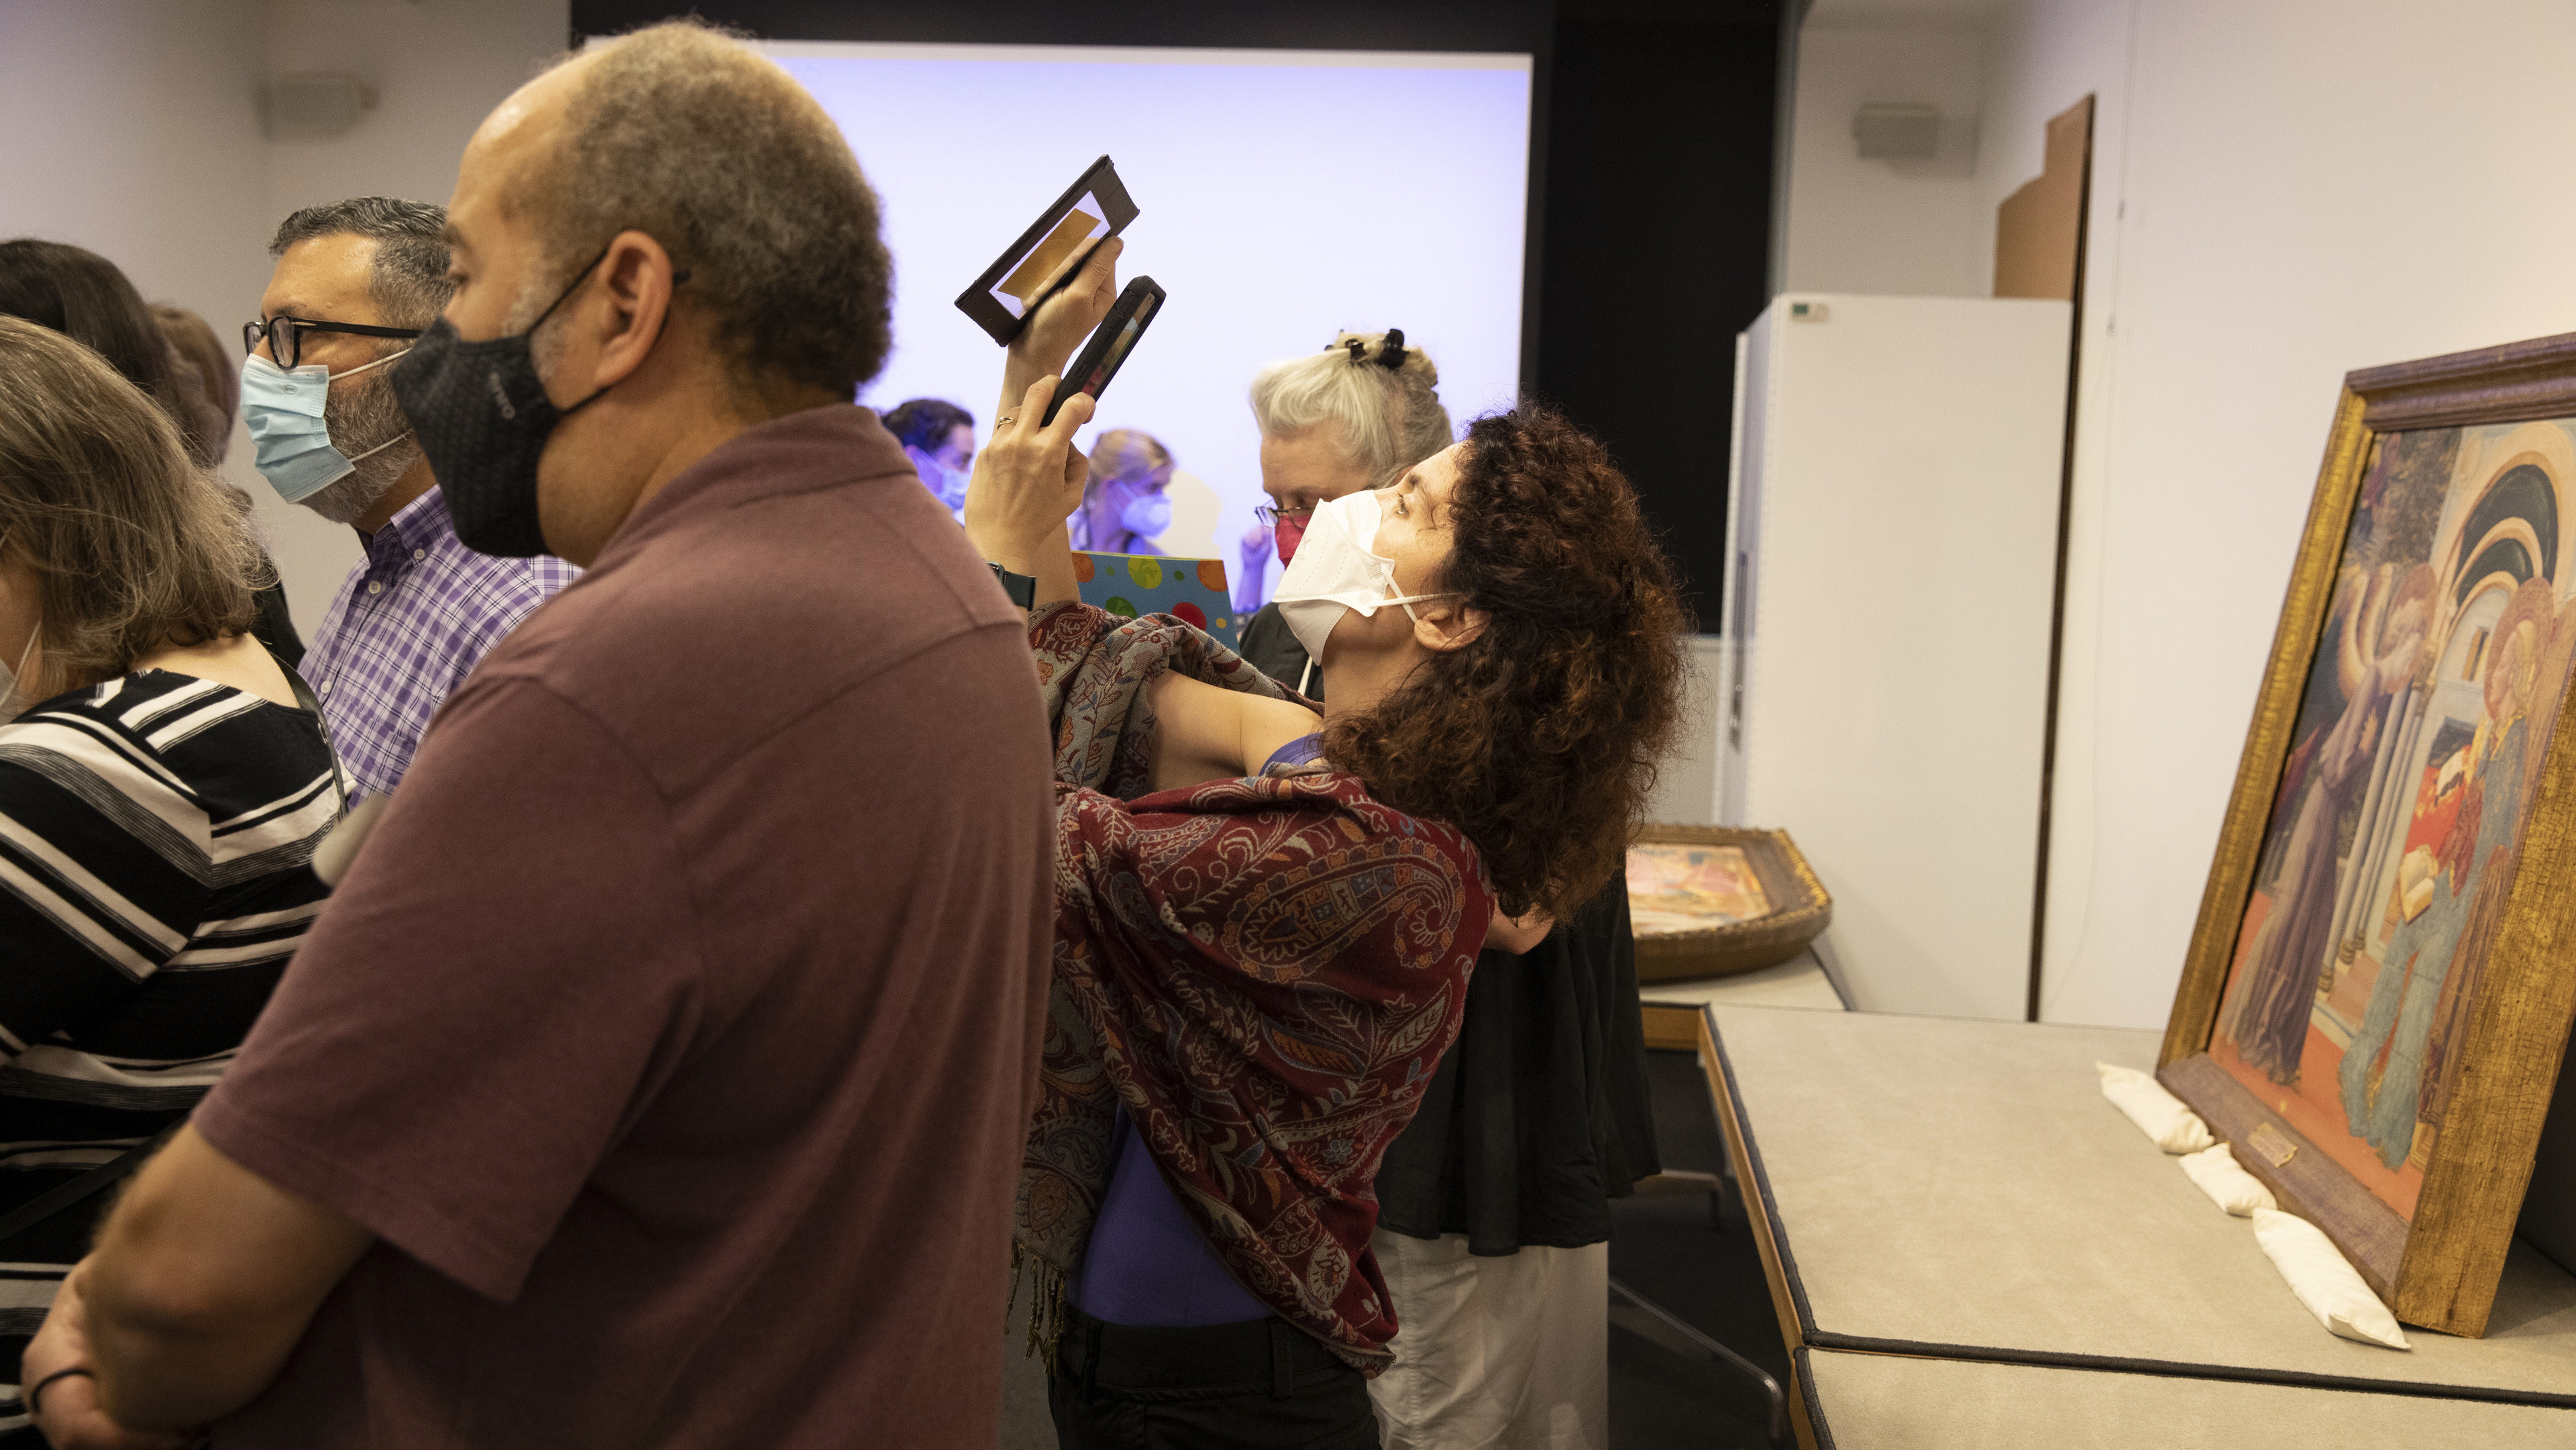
x=1099 y=181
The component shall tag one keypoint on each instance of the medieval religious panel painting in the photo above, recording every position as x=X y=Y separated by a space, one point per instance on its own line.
x=1676 y=888
x=2378 y=991
x=2394 y=838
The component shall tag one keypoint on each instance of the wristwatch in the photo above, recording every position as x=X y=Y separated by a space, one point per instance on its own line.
x=1022 y=588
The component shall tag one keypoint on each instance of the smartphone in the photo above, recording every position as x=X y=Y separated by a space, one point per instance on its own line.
x=1049 y=253
x=1110 y=343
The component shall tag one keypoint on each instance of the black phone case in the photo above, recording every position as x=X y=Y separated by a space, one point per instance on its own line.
x=1101 y=180
x=1104 y=337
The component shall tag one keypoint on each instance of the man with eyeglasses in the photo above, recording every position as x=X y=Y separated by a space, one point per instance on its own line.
x=355 y=282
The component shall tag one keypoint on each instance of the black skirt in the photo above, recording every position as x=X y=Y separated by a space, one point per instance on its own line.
x=1538 y=1115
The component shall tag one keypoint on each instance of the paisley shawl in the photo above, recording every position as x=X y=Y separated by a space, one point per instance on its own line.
x=1264 y=971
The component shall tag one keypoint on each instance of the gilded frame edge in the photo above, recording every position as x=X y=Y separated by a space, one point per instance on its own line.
x=2457 y=1242
x=2267 y=740
x=2463 y=1225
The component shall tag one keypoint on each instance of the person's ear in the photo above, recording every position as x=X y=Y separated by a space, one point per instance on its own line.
x=1447 y=625
x=637 y=280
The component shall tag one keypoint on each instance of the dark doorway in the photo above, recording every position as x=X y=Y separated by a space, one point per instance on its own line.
x=1656 y=245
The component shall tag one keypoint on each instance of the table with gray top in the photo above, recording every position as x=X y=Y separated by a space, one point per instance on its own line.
x=1960 y=1233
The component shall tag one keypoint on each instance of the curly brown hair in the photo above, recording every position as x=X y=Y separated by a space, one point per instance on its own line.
x=1540 y=737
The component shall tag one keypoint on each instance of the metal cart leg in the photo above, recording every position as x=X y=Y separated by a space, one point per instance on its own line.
x=1644 y=1316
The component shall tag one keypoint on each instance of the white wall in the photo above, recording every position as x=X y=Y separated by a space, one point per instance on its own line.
x=134 y=131
x=1908 y=228
x=133 y=121
x=2282 y=193
x=2113 y=946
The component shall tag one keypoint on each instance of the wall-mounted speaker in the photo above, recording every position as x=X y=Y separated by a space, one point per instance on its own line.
x=313 y=106
x=1898 y=133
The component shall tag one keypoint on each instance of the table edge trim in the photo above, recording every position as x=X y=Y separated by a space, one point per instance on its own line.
x=2183 y=1369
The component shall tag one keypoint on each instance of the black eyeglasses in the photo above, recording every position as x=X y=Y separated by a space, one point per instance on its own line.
x=285 y=335
x=1269 y=514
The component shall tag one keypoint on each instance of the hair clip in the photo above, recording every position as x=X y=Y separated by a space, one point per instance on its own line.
x=1358 y=350
x=1391 y=356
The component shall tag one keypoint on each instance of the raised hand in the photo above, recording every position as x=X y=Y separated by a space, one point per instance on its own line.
x=1026 y=480
x=1068 y=316
x=1256 y=559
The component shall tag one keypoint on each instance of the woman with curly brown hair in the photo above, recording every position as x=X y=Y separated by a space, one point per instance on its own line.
x=1266 y=920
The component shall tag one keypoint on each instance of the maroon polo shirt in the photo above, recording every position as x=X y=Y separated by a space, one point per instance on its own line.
x=676 y=1031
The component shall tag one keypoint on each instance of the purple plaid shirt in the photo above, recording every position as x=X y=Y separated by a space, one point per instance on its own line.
x=409 y=625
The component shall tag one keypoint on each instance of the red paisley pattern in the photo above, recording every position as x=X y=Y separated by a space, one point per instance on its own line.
x=1264 y=971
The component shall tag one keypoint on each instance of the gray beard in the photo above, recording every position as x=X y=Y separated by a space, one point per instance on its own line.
x=366 y=415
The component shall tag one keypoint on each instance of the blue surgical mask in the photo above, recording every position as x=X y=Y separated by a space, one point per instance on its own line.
x=285 y=407
x=946 y=484
x=1146 y=515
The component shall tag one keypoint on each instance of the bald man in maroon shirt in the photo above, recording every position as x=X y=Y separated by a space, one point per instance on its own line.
x=658 y=1075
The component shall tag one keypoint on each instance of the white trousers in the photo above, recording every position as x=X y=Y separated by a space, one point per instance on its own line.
x=1495 y=1354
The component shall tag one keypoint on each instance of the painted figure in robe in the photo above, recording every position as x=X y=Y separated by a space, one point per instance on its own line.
x=2384 y=1073
x=2385 y=620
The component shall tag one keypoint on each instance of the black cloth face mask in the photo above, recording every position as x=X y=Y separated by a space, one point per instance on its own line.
x=482 y=417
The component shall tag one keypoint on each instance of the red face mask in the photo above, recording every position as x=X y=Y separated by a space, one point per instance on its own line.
x=1288 y=530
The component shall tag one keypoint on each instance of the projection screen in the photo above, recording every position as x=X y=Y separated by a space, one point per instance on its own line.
x=1283 y=196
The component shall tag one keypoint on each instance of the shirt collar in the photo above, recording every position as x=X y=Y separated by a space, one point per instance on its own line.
x=805 y=450
x=416 y=526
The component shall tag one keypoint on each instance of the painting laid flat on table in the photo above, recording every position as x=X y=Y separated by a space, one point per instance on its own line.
x=1193 y=590
x=1707 y=901
x=1673 y=887
x=2372 y=1011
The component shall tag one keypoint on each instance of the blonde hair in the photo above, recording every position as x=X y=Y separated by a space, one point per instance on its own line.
x=1125 y=455
x=131 y=543
x=1387 y=419
x=1121 y=455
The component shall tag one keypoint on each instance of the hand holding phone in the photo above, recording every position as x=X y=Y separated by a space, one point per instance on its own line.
x=1060 y=325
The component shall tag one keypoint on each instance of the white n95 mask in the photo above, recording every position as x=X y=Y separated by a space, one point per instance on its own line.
x=1338 y=568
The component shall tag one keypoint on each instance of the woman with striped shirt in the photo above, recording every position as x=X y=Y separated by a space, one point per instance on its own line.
x=160 y=799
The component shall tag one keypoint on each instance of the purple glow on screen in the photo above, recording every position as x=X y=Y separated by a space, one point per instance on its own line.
x=1282 y=196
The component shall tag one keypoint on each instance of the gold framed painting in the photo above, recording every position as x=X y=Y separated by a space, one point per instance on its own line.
x=2380 y=983
x=1709 y=901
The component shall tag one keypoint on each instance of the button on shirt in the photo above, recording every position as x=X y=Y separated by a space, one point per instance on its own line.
x=408 y=626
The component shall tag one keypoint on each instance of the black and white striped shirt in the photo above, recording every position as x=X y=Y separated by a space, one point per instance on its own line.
x=156 y=832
